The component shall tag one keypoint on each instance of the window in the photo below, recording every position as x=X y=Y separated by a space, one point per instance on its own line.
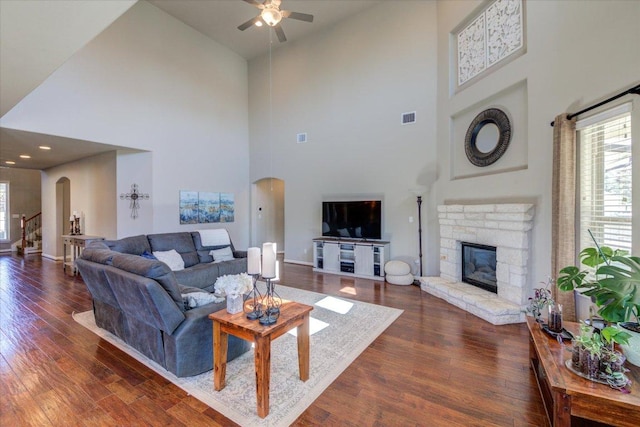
x=605 y=178
x=4 y=211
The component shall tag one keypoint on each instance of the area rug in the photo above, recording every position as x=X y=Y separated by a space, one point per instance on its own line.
x=339 y=334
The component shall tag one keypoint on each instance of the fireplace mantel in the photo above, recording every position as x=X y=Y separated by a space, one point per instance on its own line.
x=504 y=226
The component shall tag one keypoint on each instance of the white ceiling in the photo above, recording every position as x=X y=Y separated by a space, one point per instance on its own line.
x=217 y=19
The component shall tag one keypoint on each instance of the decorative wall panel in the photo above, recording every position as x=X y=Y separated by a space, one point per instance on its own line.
x=496 y=33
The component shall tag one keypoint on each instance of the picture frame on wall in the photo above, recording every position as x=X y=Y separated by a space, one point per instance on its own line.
x=206 y=207
x=188 y=207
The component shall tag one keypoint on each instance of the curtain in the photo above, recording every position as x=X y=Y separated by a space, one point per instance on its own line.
x=563 y=208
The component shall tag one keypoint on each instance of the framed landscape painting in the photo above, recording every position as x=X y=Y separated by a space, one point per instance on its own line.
x=188 y=207
x=227 y=208
x=208 y=207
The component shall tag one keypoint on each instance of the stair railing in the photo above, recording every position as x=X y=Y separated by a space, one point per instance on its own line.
x=30 y=227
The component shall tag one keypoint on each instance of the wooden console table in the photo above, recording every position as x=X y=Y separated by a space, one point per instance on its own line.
x=75 y=242
x=566 y=395
x=292 y=314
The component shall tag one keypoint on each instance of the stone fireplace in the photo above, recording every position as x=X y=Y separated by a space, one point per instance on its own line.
x=506 y=227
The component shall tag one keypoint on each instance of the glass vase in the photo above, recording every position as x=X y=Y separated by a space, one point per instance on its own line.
x=555 y=318
x=234 y=304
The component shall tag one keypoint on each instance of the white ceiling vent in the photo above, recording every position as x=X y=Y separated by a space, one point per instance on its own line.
x=301 y=138
x=408 y=118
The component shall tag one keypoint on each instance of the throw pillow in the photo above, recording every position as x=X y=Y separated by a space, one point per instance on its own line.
x=172 y=258
x=147 y=255
x=224 y=254
x=197 y=299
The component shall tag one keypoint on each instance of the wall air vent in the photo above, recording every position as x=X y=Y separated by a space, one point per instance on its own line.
x=408 y=118
x=301 y=138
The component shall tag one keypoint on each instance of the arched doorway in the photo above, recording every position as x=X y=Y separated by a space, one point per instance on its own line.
x=268 y=212
x=63 y=211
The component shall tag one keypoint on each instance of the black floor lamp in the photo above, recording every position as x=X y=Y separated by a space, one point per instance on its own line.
x=418 y=193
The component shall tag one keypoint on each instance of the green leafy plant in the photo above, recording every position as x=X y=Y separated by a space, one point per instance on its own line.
x=612 y=279
x=594 y=355
x=541 y=299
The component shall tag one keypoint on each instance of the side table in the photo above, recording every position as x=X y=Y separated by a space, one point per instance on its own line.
x=566 y=395
x=76 y=243
x=292 y=315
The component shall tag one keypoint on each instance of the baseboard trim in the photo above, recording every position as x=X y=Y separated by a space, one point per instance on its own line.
x=294 y=261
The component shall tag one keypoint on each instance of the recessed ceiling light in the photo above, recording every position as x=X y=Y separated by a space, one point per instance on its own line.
x=44 y=147
x=25 y=156
x=10 y=162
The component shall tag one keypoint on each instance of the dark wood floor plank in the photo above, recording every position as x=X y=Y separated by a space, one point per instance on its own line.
x=436 y=365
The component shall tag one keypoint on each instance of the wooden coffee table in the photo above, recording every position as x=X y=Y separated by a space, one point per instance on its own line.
x=566 y=395
x=292 y=314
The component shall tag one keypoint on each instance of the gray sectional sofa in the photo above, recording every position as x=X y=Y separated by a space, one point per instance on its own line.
x=142 y=301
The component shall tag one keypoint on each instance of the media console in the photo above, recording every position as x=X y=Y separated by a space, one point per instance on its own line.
x=350 y=257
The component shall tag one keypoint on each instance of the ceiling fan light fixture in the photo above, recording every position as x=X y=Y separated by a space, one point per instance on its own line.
x=258 y=23
x=271 y=16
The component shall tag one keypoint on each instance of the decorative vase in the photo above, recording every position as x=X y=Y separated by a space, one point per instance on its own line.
x=555 y=318
x=234 y=304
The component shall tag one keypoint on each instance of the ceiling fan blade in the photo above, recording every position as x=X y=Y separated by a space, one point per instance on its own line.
x=296 y=15
x=280 y=33
x=249 y=23
x=255 y=3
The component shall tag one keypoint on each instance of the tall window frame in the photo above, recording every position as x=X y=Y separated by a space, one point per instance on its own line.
x=5 y=228
x=605 y=178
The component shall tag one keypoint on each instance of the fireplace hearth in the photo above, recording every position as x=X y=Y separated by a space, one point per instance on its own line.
x=479 y=266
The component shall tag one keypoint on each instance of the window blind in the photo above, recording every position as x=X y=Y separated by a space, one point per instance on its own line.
x=605 y=203
x=4 y=210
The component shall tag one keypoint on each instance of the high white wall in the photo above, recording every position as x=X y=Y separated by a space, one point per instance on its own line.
x=92 y=194
x=38 y=36
x=347 y=88
x=152 y=83
x=577 y=53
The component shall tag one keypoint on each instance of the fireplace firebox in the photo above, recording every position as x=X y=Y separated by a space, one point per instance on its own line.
x=479 y=266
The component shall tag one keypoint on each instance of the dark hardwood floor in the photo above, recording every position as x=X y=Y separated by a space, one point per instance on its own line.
x=435 y=366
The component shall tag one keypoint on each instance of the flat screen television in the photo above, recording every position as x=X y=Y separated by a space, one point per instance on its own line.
x=352 y=219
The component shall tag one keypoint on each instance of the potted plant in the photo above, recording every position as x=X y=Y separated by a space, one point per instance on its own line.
x=594 y=356
x=540 y=300
x=612 y=280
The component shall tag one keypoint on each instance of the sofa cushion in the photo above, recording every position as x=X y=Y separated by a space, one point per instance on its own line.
x=224 y=254
x=153 y=269
x=234 y=266
x=147 y=255
x=171 y=258
x=182 y=242
x=204 y=251
x=201 y=276
x=101 y=256
x=130 y=245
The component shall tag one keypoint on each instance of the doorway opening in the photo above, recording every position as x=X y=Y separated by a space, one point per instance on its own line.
x=268 y=213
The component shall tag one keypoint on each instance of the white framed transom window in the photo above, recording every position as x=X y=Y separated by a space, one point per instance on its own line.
x=605 y=178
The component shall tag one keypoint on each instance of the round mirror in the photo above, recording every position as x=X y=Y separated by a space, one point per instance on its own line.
x=488 y=137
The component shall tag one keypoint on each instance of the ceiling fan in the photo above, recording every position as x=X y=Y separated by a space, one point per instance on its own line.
x=272 y=15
